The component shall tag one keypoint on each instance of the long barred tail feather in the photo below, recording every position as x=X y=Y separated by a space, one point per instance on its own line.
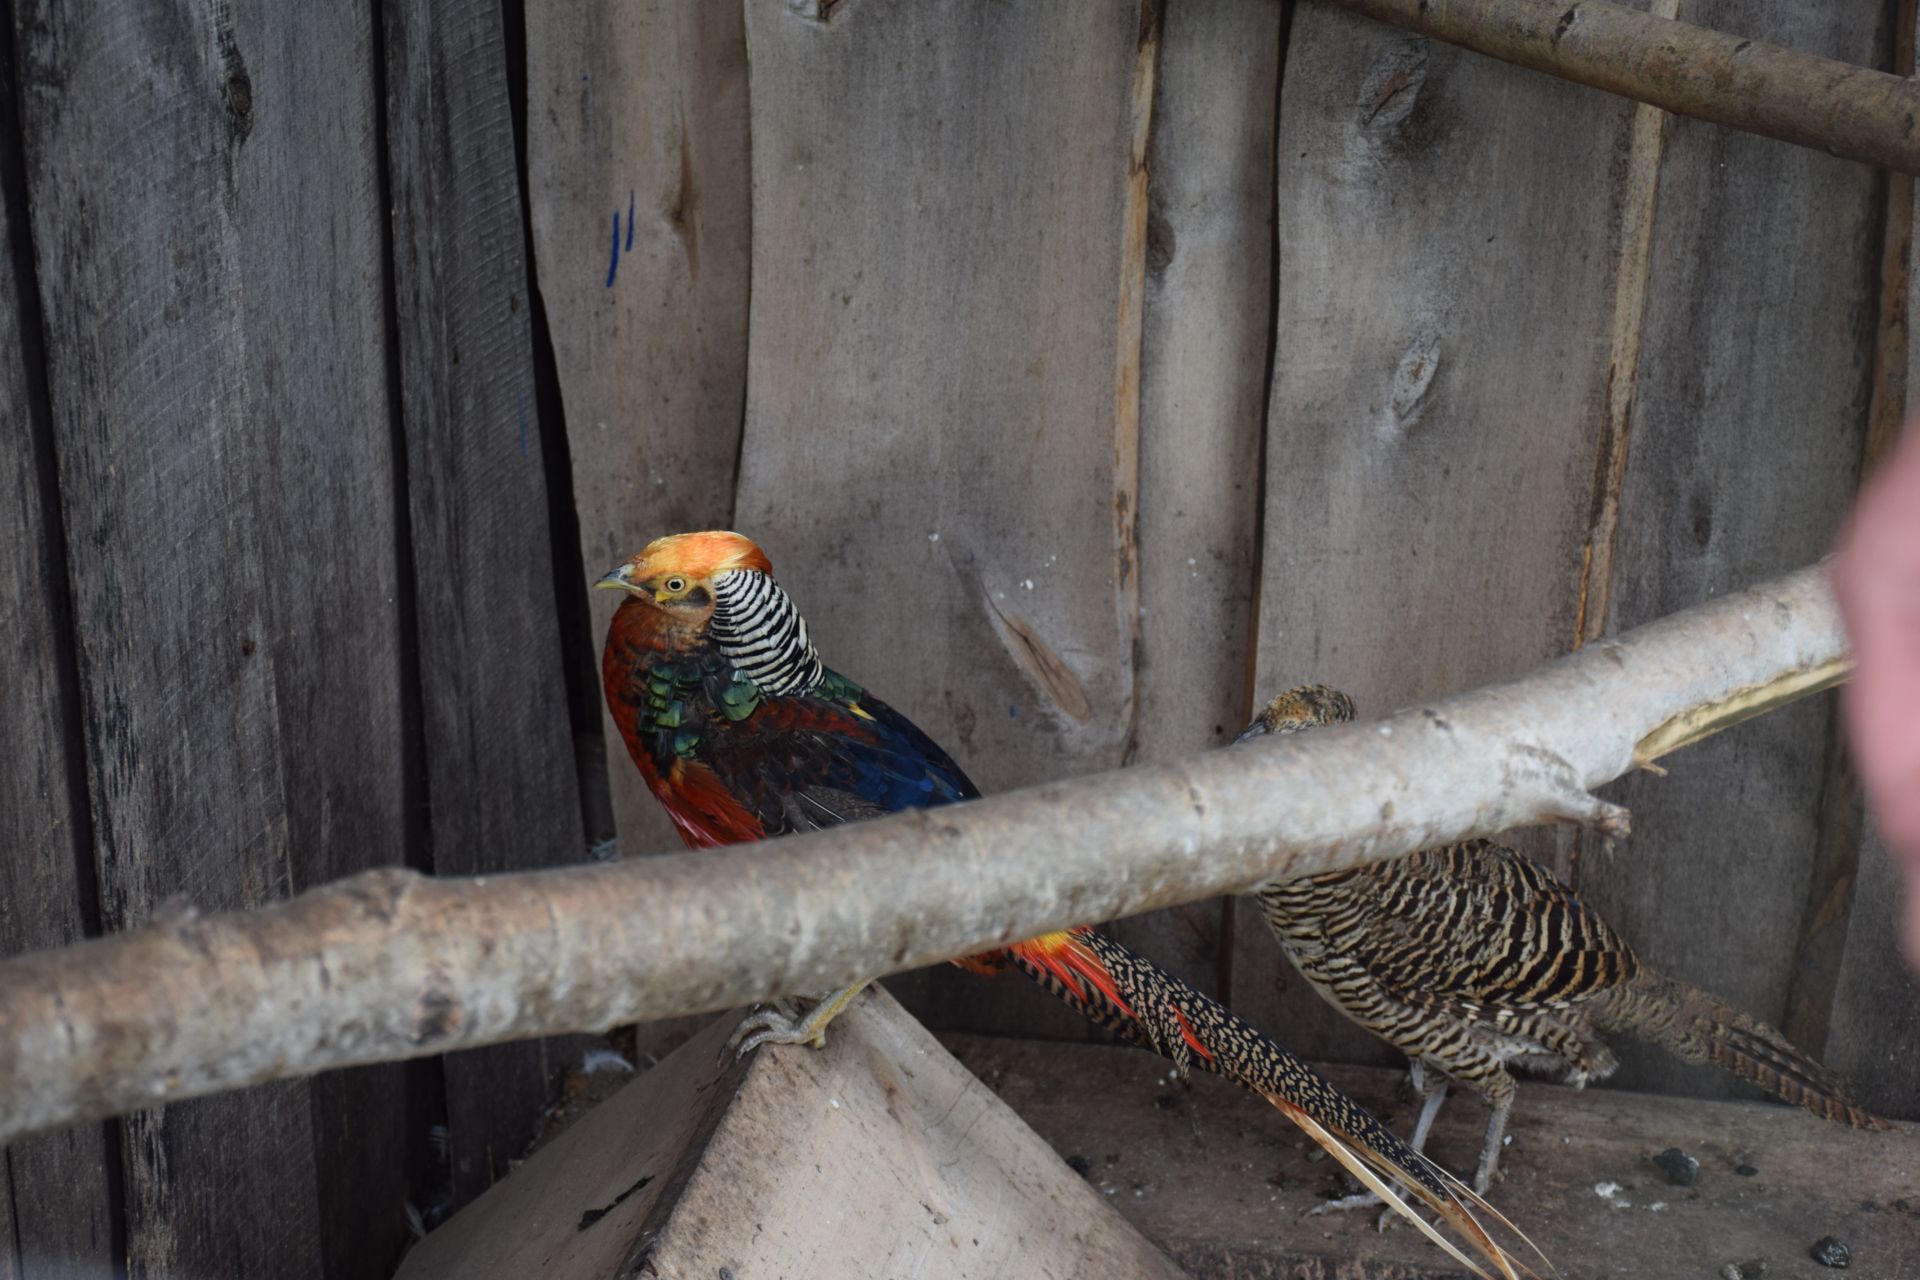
x=1150 y=1008
x=1699 y=1027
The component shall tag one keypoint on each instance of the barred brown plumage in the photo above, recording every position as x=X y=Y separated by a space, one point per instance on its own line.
x=1471 y=959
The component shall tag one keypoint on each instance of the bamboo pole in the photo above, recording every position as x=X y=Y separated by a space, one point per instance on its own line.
x=1849 y=111
x=392 y=964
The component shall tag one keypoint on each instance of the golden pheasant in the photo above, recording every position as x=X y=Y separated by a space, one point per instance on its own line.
x=1470 y=959
x=742 y=733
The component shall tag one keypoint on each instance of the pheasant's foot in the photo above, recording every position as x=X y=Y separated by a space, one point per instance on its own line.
x=782 y=1023
x=1360 y=1200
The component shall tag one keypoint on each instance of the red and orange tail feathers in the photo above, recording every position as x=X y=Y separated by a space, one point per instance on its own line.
x=1072 y=961
x=1154 y=1010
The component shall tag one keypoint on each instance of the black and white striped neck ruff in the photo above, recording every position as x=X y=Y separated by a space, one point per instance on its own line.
x=757 y=626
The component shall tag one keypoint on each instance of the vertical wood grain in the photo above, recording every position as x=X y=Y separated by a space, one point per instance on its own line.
x=1749 y=414
x=1874 y=1033
x=1853 y=996
x=210 y=270
x=313 y=309
x=57 y=1198
x=1832 y=905
x=501 y=782
x=932 y=455
x=9 y=1238
x=1208 y=260
x=638 y=179
x=1454 y=239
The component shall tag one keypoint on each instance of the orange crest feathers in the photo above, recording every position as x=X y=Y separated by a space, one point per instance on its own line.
x=699 y=555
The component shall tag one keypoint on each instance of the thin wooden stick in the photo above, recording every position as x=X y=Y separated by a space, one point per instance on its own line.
x=1849 y=111
x=393 y=965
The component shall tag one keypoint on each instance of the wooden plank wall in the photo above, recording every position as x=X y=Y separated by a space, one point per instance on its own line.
x=276 y=521
x=1089 y=371
x=1741 y=467
x=61 y=1190
x=221 y=733
x=501 y=786
x=1203 y=376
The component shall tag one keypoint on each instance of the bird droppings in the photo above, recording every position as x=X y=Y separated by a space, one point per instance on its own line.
x=1027 y=583
x=1610 y=1192
x=1658 y=1206
x=1682 y=1170
x=1829 y=1252
x=933 y=537
x=834 y=1103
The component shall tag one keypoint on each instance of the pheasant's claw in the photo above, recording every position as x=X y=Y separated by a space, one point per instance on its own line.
x=782 y=1023
x=1359 y=1200
x=777 y=1023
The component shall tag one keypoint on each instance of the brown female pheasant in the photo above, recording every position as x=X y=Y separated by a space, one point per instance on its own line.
x=1470 y=959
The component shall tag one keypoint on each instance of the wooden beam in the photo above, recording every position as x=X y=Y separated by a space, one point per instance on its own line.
x=880 y=1156
x=1846 y=110
x=391 y=964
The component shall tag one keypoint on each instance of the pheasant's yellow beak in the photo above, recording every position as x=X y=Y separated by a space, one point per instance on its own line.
x=620 y=579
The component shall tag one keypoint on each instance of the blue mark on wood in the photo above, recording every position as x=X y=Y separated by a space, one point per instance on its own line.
x=629 y=219
x=613 y=266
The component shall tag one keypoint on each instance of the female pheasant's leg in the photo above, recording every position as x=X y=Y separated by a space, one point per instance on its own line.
x=1500 y=1092
x=1432 y=1088
x=778 y=1025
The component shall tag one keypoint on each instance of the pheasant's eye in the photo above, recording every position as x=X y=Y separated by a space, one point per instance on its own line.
x=675 y=584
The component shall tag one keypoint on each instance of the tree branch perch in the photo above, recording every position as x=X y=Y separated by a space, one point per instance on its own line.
x=1855 y=112
x=393 y=965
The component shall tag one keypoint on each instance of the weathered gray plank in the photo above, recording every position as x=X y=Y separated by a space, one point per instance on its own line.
x=218 y=387
x=1203 y=405
x=1749 y=413
x=938 y=420
x=57 y=1200
x=1872 y=1025
x=1457 y=273
x=9 y=1241
x=638 y=179
x=313 y=311
x=1874 y=1034
x=500 y=772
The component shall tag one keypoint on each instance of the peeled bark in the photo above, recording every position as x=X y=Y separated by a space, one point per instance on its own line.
x=392 y=964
